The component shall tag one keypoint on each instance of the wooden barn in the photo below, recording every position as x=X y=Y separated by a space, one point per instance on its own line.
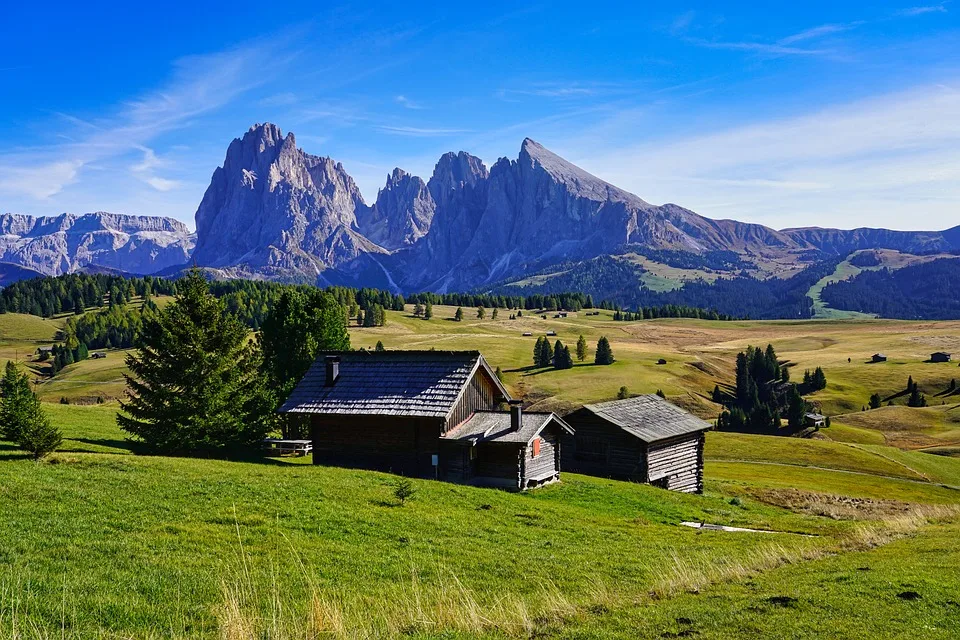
x=388 y=410
x=879 y=357
x=644 y=439
x=940 y=356
x=516 y=450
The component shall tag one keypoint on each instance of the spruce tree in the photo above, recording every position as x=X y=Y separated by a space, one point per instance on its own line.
x=14 y=405
x=428 y=311
x=538 y=352
x=458 y=316
x=379 y=346
x=604 y=354
x=557 y=352
x=581 y=348
x=546 y=353
x=38 y=437
x=493 y=316
x=194 y=384
x=481 y=313
x=875 y=401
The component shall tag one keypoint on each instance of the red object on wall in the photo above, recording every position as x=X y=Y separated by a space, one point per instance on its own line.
x=536 y=447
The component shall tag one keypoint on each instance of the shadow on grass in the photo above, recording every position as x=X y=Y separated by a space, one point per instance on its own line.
x=125 y=445
x=385 y=503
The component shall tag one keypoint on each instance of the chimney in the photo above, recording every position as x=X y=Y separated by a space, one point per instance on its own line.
x=333 y=369
x=516 y=413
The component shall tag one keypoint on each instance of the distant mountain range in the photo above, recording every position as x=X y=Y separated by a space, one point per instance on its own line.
x=274 y=211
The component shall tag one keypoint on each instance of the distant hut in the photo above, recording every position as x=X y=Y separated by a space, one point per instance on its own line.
x=516 y=450
x=879 y=357
x=815 y=420
x=940 y=356
x=645 y=439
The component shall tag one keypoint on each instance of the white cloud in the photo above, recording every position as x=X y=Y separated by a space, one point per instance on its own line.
x=817 y=32
x=404 y=101
x=420 y=132
x=162 y=184
x=39 y=182
x=893 y=160
x=919 y=11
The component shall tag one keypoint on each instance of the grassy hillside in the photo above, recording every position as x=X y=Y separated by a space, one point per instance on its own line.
x=106 y=543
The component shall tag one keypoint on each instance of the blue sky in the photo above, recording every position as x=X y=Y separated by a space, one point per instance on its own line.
x=794 y=114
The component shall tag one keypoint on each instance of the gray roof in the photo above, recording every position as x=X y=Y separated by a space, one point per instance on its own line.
x=398 y=383
x=650 y=417
x=494 y=426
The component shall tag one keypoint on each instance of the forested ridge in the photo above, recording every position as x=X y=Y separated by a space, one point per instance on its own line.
x=928 y=291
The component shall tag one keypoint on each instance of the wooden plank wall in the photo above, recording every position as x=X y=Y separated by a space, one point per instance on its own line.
x=621 y=455
x=387 y=443
x=545 y=464
x=480 y=395
x=680 y=461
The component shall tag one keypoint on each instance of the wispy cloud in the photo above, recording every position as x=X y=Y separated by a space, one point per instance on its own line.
x=817 y=32
x=421 y=132
x=758 y=47
x=892 y=160
x=406 y=102
x=39 y=182
x=198 y=85
x=919 y=11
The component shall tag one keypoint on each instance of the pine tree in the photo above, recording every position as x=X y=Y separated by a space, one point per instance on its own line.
x=604 y=354
x=481 y=313
x=38 y=437
x=14 y=414
x=428 y=311
x=581 y=348
x=379 y=346
x=875 y=401
x=538 y=352
x=493 y=316
x=499 y=374
x=557 y=352
x=458 y=316
x=417 y=310
x=546 y=353
x=911 y=385
x=916 y=399
x=796 y=409
x=194 y=384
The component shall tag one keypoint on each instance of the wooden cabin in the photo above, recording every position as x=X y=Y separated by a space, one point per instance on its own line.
x=644 y=439
x=940 y=356
x=388 y=410
x=516 y=450
x=815 y=420
x=879 y=357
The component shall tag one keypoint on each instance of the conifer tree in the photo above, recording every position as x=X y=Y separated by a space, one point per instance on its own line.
x=481 y=313
x=14 y=415
x=194 y=384
x=428 y=311
x=581 y=348
x=38 y=437
x=604 y=354
x=379 y=346
x=458 y=316
x=493 y=316
x=538 y=352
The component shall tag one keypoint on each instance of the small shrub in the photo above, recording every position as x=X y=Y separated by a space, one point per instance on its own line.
x=39 y=438
x=403 y=490
x=736 y=502
x=63 y=400
x=661 y=394
x=623 y=393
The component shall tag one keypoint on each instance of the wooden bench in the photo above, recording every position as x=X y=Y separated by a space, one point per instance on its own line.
x=280 y=447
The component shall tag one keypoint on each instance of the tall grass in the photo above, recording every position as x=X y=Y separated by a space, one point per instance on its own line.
x=440 y=602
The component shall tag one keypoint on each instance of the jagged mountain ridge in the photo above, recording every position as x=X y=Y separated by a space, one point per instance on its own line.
x=67 y=243
x=275 y=211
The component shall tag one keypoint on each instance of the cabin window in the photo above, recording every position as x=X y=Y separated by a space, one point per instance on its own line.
x=536 y=447
x=473 y=453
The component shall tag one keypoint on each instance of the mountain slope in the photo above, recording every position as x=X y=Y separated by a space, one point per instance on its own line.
x=68 y=242
x=275 y=211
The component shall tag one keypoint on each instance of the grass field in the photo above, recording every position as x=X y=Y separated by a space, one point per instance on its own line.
x=101 y=542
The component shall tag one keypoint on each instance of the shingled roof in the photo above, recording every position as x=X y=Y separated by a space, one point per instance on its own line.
x=495 y=426
x=398 y=383
x=650 y=417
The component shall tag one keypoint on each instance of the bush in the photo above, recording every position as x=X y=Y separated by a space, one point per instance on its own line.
x=39 y=438
x=403 y=490
x=623 y=393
